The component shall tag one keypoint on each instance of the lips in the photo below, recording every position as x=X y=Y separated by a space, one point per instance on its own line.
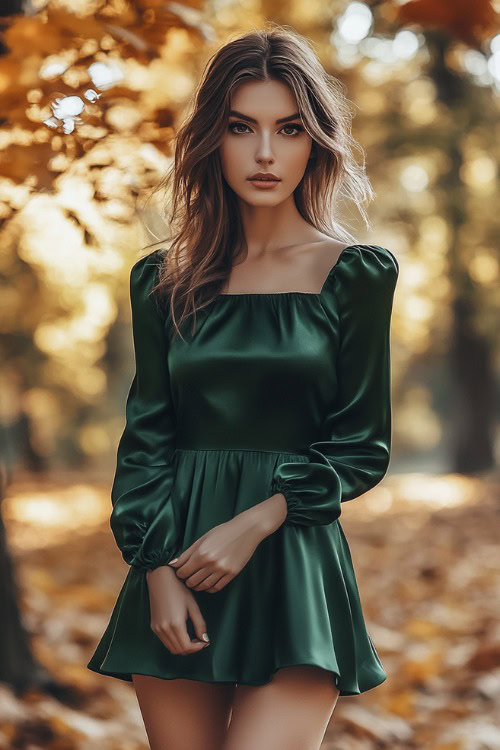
x=264 y=177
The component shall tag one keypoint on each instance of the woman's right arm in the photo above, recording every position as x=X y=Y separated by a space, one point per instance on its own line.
x=143 y=520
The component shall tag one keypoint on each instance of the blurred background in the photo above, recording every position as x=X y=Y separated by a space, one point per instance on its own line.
x=91 y=95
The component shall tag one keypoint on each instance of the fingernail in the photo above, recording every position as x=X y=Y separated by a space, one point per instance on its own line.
x=205 y=637
x=174 y=560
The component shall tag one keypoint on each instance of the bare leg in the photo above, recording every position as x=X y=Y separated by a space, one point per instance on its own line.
x=180 y=714
x=289 y=713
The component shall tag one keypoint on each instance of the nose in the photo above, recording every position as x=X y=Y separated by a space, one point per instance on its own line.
x=264 y=151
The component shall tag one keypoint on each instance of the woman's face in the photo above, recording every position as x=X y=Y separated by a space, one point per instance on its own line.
x=256 y=142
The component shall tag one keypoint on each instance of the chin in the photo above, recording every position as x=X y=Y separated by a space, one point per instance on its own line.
x=264 y=200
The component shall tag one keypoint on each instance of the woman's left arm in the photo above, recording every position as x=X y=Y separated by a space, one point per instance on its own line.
x=355 y=456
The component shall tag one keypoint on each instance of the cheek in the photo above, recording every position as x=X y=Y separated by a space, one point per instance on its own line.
x=293 y=153
x=294 y=160
x=302 y=150
x=230 y=156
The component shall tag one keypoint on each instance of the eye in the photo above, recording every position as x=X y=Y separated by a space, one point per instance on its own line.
x=298 y=128
x=235 y=125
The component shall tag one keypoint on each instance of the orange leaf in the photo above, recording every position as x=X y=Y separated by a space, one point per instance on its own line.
x=470 y=22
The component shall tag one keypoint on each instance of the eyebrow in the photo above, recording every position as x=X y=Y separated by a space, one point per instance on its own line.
x=251 y=119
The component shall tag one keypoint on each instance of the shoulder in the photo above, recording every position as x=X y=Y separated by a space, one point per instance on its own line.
x=363 y=270
x=145 y=269
x=370 y=261
x=362 y=283
x=144 y=275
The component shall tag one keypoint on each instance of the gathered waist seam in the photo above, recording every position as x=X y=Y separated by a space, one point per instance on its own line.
x=240 y=450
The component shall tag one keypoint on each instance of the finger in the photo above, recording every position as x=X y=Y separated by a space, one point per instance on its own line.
x=196 y=646
x=198 y=577
x=187 y=646
x=192 y=646
x=199 y=624
x=168 y=643
x=220 y=584
x=177 y=632
x=186 y=555
x=172 y=644
x=184 y=644
x=211 y=581
x=178 y=561
x=189 y=568
x=164 y=637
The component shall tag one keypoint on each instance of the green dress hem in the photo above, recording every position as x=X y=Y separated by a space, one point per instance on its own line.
x=372 y=681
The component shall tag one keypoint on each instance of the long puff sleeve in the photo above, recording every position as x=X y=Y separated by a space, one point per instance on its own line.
x=354 y=455
x=143 y=520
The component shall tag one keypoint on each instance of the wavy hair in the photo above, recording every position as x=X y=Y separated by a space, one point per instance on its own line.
x=203 y=216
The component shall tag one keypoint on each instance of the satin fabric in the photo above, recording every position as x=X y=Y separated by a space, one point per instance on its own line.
x=274 y=392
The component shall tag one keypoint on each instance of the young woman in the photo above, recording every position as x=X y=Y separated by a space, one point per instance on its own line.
x=240 y=622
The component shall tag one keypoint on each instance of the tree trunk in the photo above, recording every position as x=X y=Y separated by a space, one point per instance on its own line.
x=470 y=352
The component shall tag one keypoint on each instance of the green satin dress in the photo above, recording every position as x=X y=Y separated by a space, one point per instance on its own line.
x=274 y=392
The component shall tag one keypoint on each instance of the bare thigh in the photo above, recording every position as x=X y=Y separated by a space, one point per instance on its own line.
x=180 y=714
x=289 y=713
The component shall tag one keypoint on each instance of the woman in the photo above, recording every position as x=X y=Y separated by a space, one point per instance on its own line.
x=239 y=622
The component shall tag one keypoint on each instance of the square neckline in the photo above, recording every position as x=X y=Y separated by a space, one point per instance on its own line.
x=282 y=294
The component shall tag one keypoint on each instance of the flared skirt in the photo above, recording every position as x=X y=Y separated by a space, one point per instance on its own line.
x=296 y=601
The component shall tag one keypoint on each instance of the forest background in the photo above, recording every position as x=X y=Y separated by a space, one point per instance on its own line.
x=91 y=95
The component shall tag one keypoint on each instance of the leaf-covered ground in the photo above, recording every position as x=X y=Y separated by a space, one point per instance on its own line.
x=426 y=555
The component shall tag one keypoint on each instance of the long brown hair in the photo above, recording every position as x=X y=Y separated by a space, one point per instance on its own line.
x=204 y=220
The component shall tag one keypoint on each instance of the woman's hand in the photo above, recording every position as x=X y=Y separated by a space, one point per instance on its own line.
x=171 y=603
x=213 y=560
